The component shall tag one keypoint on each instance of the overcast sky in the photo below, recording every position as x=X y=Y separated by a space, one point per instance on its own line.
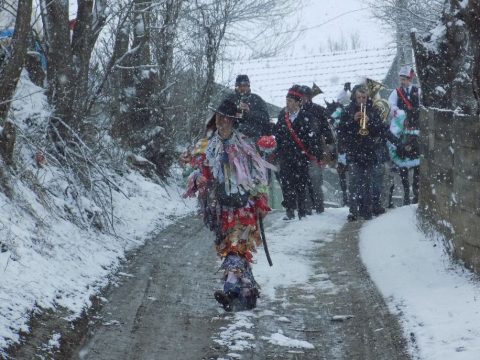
x=336 y=18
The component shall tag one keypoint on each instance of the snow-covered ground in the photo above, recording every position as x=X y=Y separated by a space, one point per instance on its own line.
x=436 y=300
x=64 y=265
x=290 y=244
x=45 y=260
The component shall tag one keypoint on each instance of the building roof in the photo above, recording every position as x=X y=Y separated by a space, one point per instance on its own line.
x=272 y=77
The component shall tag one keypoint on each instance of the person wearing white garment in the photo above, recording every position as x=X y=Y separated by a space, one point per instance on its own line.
x=405 y=105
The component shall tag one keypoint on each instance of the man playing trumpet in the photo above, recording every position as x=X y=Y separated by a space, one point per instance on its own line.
x=361 y=131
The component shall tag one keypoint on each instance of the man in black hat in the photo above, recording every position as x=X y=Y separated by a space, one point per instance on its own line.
x=324 y=137
x=297 y=145
x=255 y=120
x=234 y=176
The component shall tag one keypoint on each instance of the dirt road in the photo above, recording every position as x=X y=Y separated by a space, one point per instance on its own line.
x=164 y=308
x=161 y=306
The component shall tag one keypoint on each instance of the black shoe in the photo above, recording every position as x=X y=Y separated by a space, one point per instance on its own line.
x=351 y=217
x=223 y=299
x=301 y=214
x=415 y=200
x=378 y=211
x=406 y=201
x=319 y=209
x=290 y=214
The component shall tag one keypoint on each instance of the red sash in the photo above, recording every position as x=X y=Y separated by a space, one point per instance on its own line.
x=407 y=103
x=299 y=142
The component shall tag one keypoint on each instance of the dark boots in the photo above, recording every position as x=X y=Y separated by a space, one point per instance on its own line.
x=289 y=215
x=224 y=300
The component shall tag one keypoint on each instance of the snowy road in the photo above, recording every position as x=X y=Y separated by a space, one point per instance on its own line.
x=317 y=303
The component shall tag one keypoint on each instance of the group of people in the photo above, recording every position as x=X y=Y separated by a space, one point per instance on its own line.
x=242 y=150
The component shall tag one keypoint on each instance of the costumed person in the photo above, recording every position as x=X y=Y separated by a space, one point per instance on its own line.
x=359 y=129
x=406 y=97
x=234 y=177
x=254 y=120
x=297 y=145
x=322 y=131
x=404 y=156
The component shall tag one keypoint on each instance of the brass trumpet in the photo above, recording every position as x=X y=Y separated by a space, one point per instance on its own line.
x=363 y=121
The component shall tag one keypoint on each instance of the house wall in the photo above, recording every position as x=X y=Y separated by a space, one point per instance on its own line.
x=450 y=181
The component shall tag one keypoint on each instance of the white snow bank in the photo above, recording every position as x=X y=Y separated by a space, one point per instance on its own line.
x=45 y=260
x=290 y=243
x=438 y=302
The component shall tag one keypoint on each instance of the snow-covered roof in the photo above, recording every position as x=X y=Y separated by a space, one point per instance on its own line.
x=271 y=77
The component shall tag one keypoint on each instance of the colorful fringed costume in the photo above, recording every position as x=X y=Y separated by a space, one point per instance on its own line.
x=234 y=198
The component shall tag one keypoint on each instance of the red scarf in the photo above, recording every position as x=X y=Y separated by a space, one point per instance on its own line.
x=299 y=142
x=407 y=103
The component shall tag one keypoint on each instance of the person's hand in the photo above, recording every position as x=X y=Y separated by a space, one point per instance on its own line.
x=262 y=213
x=244 y=107
x=358 y=116
x=201 y=181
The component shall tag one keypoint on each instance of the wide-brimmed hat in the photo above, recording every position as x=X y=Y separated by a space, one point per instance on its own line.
x=226 y=108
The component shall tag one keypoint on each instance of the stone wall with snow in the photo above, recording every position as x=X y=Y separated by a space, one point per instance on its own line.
x=450 y=181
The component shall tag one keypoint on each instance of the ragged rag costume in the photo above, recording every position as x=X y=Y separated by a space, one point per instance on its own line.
x=235 y=178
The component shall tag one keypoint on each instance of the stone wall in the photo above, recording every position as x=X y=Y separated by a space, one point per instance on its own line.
x=450 y=181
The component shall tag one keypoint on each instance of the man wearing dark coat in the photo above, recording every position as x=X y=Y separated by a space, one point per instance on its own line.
x=323 y=133
x=361 y=149
x=297 y=145
x=255 y=120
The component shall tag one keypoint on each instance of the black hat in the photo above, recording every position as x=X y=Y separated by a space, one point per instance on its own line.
x=295 y=93
x=226 y=108
x=306 y=90
x=242 y=80
x=356 y=88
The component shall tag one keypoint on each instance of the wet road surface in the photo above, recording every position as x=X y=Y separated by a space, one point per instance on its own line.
x=163 y=308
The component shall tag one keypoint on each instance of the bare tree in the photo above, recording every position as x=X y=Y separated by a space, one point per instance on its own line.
x=216 y=24
x=10 y=72
x=448 y=58
x=68 y=56
x=401 y=16
x=472 y=20
x=344 y=44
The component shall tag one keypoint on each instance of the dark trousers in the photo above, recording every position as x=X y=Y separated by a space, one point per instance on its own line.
x=342 y=177
x=377 y=185
x=294 y=180
x=406 y=184
x=360 y=186
x=314 y=186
